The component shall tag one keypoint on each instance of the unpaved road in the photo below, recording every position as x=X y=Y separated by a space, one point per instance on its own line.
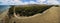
x=50 y=16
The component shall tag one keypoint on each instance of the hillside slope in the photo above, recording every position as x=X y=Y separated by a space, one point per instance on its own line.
x=51 y=16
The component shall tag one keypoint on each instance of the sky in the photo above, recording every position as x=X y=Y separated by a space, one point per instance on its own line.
x=23 y=2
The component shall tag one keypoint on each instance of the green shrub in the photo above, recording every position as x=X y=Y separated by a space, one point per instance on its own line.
x=29 y=10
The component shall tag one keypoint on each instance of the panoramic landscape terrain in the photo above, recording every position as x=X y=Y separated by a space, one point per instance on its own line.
x=32 y=13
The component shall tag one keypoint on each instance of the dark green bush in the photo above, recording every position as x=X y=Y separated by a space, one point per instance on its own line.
x=28 y=10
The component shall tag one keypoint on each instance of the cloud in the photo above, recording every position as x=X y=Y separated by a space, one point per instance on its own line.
x=53 y=2
x=32 y=2
x=41 y=0
x=49 y=2
x=19 y=2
